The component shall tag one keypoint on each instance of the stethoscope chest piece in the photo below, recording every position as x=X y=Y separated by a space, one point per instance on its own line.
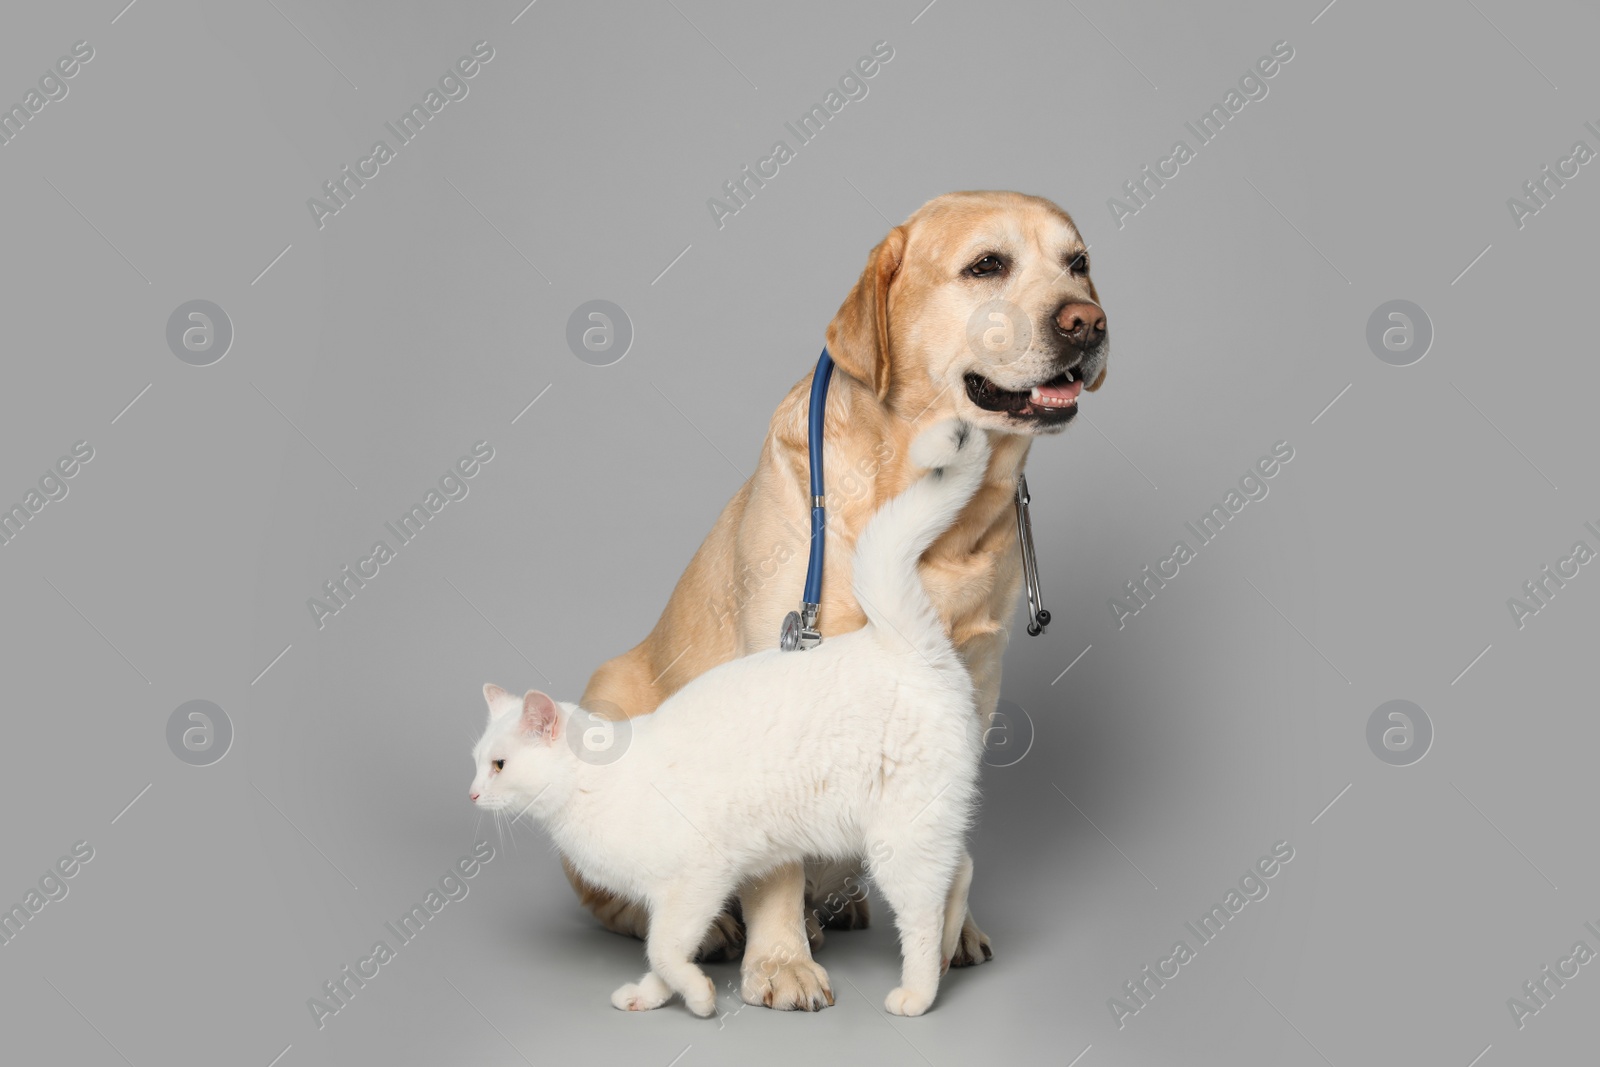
x=800 y=629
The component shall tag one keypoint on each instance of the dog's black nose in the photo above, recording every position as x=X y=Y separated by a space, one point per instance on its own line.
x=1082 y=325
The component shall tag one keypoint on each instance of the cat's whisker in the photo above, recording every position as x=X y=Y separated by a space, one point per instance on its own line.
x=512 y=821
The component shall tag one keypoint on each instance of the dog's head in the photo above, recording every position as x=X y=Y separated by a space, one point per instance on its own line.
x=981 y=303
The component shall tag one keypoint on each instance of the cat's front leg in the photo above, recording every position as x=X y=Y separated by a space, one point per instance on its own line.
x=647 y=993
x=724 y=939
x=678 y=923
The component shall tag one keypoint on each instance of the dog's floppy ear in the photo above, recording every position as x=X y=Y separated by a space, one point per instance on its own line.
x=858 y=336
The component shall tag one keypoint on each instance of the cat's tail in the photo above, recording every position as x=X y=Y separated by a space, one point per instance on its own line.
x=886 y=581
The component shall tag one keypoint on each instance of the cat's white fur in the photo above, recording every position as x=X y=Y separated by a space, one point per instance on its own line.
x=866 y=746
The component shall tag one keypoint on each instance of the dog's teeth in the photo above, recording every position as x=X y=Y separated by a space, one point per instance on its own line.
x=1036 y=394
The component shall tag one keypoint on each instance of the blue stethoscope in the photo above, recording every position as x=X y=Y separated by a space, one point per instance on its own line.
x=800 y=627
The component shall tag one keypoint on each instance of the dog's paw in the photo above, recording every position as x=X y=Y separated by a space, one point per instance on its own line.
x=855 y=914
x=973 y=947
x=644 y=995
x=793 y=985
x=724 y=941
x=903 y=1001
x=941 y=443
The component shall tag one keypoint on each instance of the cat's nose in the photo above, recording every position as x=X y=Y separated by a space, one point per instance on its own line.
x=474 y=796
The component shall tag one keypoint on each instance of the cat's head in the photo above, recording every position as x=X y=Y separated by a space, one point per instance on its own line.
x=522 y=752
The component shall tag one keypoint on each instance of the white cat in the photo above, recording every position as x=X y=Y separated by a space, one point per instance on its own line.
x=865 y=746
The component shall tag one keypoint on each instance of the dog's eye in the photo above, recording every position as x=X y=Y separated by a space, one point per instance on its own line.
x=498 y=764
x=1079 y=264
x=989 y=264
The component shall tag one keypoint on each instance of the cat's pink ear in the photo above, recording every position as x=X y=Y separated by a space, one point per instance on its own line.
x=539 y=715
x=495 y=697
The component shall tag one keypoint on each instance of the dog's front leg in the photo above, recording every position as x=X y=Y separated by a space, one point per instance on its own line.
x=778 y=970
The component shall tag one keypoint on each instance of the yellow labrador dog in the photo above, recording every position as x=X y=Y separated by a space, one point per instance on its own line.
x=979 y=306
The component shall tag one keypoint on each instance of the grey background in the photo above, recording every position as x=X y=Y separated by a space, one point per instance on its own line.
x=426 y=316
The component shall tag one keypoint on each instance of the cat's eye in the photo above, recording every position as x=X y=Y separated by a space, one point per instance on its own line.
x=498 y=764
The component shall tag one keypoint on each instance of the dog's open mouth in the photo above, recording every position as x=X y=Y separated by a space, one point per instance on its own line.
x=1052 y=401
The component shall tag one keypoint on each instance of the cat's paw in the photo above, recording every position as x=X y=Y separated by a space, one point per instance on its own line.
x=795 y=984
x=972 y=947
x=939 y=444
x=701 y=997
x=641 y=996
x=903 y=1001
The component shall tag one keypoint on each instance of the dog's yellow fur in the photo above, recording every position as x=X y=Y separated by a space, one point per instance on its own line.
x=904 y=338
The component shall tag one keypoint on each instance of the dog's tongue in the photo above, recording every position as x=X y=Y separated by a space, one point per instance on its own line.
x=1069 y=391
